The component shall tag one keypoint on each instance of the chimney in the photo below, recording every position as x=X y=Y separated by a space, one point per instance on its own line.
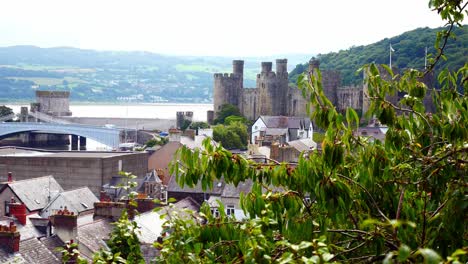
x=9 y=237
x=18 y=210
x=65 y=224
x=174 y=135
x=111 y=210
x=104 y=197
x=10 y=177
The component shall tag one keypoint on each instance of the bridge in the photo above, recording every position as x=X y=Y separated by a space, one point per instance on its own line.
x=105 y=135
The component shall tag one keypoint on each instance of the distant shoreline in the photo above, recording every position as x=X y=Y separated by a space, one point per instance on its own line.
x=106 y=103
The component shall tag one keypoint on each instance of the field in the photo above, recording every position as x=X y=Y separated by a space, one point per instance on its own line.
x=48 y=81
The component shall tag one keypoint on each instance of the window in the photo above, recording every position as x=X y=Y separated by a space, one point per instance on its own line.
x=230 y=210
x=215 y=212
x=120 y=165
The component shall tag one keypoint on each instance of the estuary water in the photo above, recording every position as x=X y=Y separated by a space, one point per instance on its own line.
x=142 y=110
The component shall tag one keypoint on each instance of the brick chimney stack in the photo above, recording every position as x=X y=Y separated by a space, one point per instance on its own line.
x=9 y=237
x=10 y=177
x=65 y=224
x=18 y=210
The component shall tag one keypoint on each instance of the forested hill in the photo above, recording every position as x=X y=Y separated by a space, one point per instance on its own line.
x=409 y=53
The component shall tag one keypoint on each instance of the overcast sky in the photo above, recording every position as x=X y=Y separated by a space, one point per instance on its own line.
x=210 y=27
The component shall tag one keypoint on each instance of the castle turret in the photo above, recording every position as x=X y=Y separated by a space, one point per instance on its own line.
x=281 y=66
x=313 y=65
x=238 y=67
x=266 y=67
x=228 y=88
x=331 y=80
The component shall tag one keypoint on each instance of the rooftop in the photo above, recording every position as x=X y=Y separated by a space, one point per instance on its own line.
x=28 y=152
x=36 y=192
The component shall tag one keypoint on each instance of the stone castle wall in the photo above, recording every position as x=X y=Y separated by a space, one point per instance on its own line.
x=274 y=96
x=54 y=103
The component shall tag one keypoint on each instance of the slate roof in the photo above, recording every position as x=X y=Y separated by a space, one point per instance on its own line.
x=150 y=177
x=305 y=144
x=27 y=231
x=34 y=192
x=286 y=122
x=231 y=191
x=93 y=235
x=31 y=251
x=173 y=186
x=77 y=200
x=52 y=243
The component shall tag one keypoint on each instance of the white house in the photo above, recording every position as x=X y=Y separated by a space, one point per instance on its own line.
x=268 y=129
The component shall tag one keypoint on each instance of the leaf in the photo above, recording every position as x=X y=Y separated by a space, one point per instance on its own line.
x=403 y=252
x=430 y=256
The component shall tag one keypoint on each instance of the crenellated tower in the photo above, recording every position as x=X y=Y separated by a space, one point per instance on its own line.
x=269 y=97
x=228 y=87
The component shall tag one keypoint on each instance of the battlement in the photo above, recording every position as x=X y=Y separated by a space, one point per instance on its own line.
x=266 y=66
x=226 y=76
x=53 y=94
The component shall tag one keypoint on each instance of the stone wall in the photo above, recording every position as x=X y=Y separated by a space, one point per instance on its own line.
x=349 y=96
x=54 y=103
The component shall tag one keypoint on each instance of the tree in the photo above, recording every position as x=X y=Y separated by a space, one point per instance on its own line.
x=398 y=201
x=5 y=110
x=197 y=125
x=226 y=110
x=232 y=136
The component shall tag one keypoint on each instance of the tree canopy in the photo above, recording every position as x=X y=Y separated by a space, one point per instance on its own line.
x=5 y=110
x=409 y=53
x=231 y=136
x=225 y=111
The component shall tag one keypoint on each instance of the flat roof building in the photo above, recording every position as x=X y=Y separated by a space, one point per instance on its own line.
x=71 y=169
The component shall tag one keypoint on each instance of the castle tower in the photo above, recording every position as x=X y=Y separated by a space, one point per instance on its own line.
x=313 y=65
x=238 y=67
x=272 y=89
x=282 y=87
x=331 y=80
x=56 y=103
x=228 y=88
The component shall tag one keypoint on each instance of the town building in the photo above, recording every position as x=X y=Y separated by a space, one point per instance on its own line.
x=269 y=129
x=28 y=195
x=71 y=169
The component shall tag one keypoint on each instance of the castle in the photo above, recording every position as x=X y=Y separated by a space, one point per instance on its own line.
x=274 y=96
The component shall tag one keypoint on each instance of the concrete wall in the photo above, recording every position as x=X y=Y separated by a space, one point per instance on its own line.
x=74 y=172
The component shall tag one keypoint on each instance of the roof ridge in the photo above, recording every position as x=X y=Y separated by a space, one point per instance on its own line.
x=75 y=189
x=36 y=178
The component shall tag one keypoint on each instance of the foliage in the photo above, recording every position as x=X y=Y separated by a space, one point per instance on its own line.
x=403 y=200
x=225 y=111
x=124 y=240
x=197 y=125
x=318 y=137
x=123 y=245
x=160 y=141
x=409 y=53
x=5 y=110
x=232 y=136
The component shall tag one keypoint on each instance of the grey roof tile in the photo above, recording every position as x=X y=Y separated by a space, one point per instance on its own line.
x=35 y=193
x=77 y=200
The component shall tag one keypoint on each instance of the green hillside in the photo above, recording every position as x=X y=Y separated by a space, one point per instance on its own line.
x=409 y=53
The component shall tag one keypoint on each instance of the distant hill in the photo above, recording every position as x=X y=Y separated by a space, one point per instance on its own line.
x=105 y=76
x=409 y=53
